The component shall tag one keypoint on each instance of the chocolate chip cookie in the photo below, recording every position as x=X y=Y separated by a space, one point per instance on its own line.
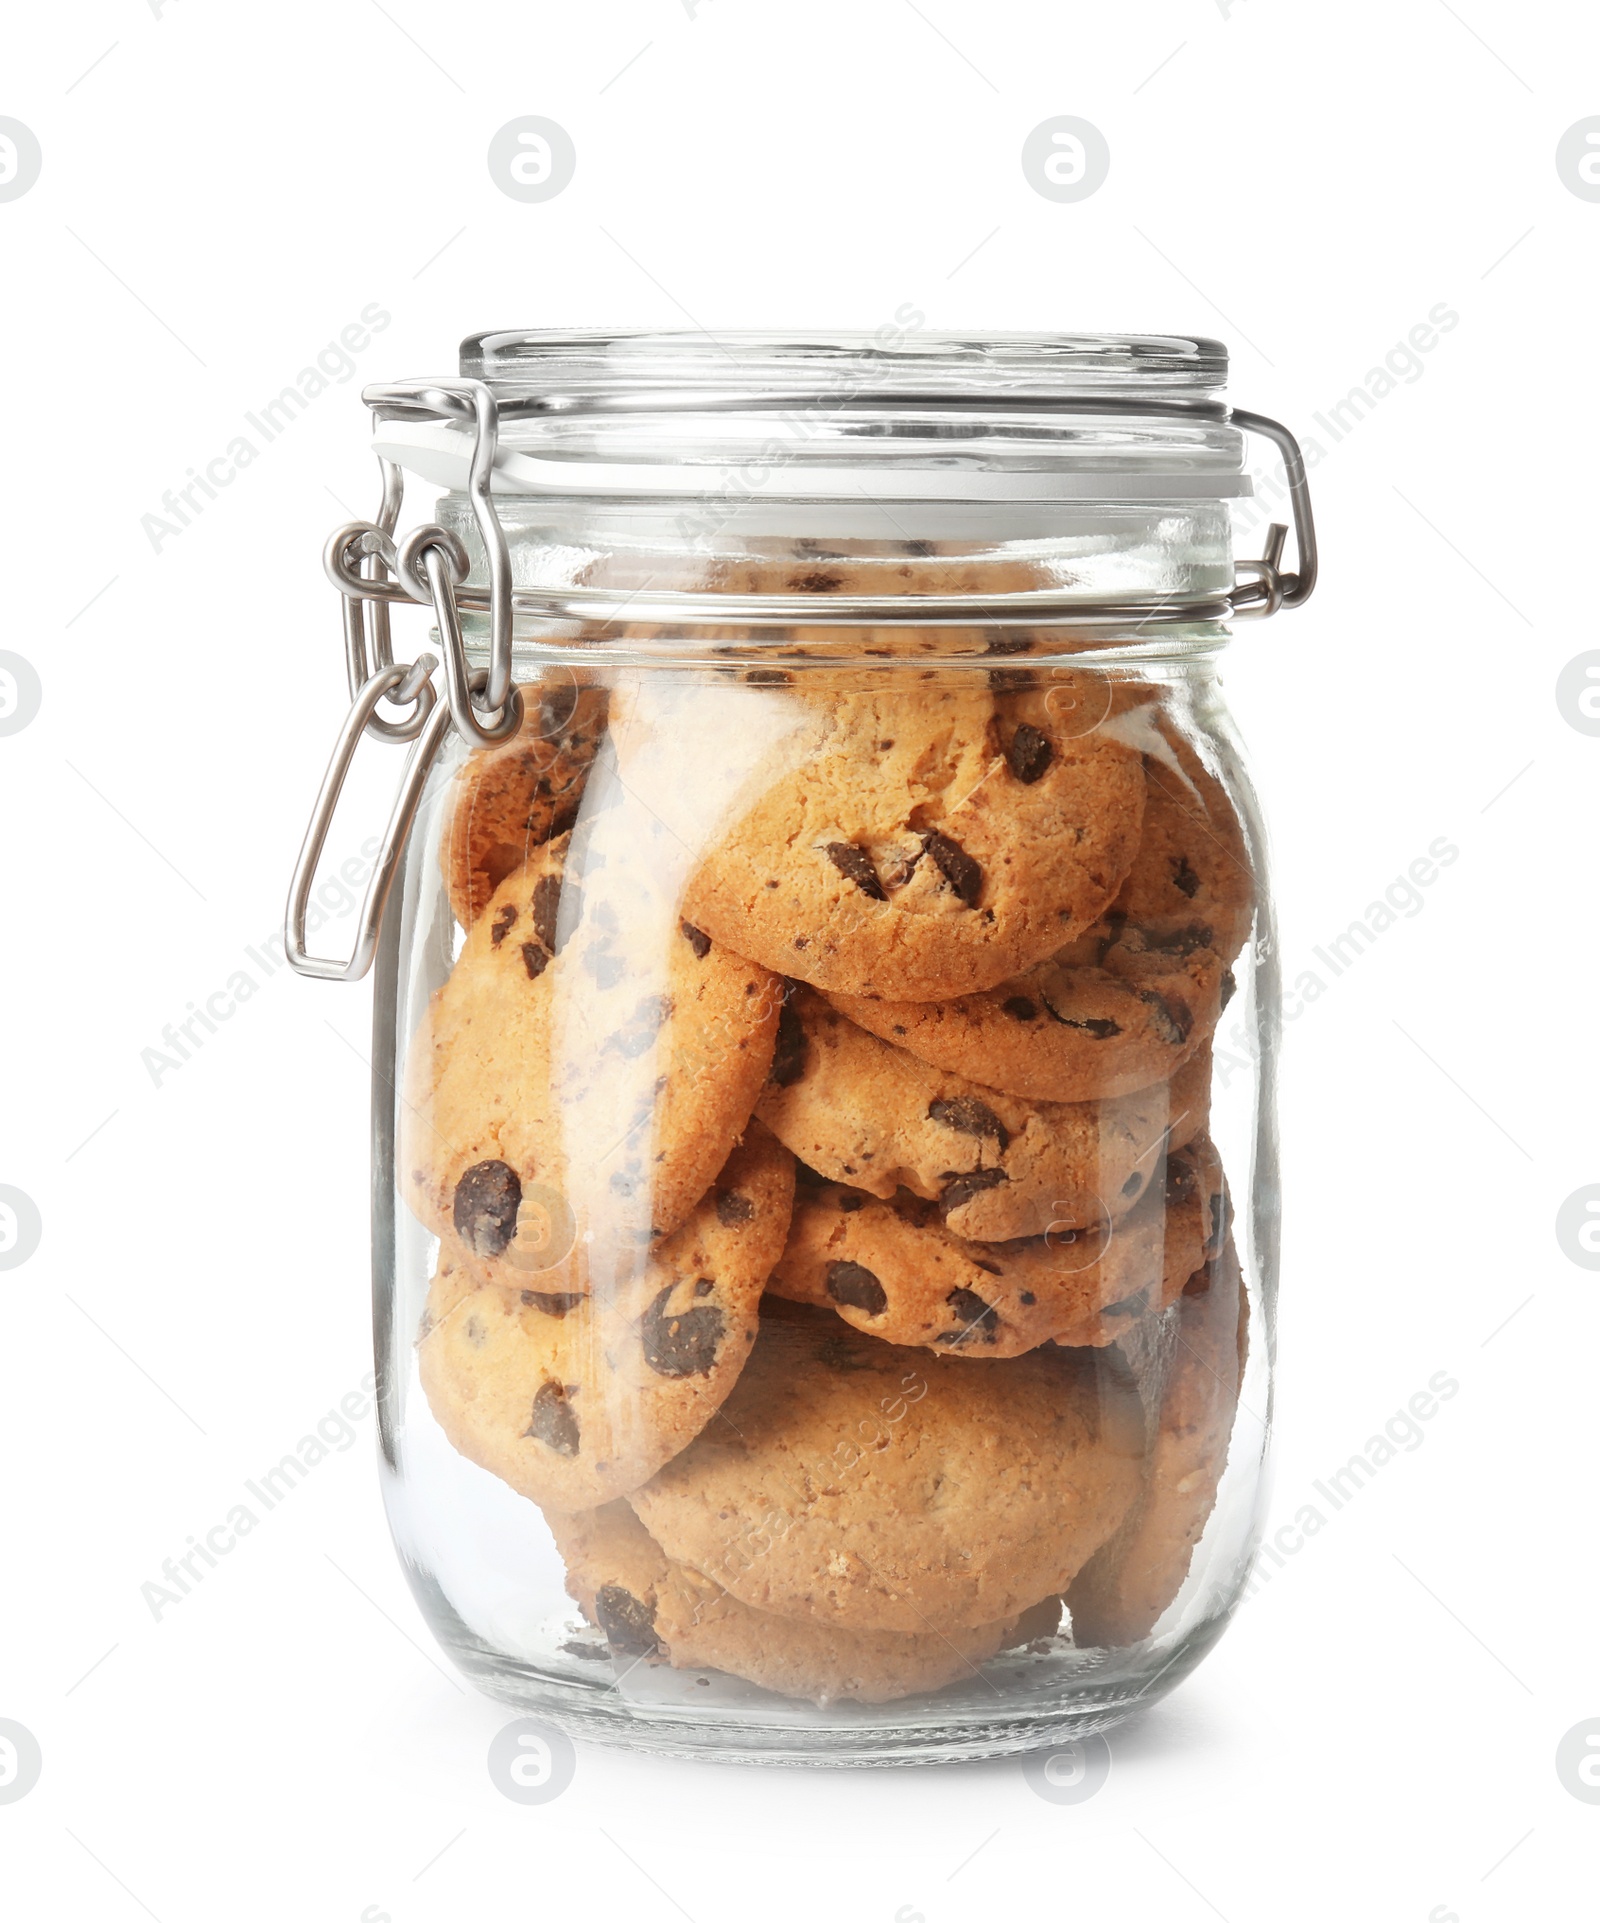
x=574 y=1400
x=895 y=1271
x=1193 y=866
x=1124 y=1589
x=862 y=1111
x=508 y=800
x=1123 y=1007
x=916 y=845
x=653 y=1609
x=854 y=1483
x=583 y=1073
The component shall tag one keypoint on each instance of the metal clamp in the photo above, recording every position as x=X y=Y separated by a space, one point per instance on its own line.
x=1272 y=588
x=432 y=564
x=467 y=401
x=405 y=684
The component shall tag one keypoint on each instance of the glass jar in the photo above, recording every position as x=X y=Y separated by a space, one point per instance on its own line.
x=823 y=1271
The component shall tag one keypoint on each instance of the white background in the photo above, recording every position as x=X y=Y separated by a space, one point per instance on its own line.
x=226 y=190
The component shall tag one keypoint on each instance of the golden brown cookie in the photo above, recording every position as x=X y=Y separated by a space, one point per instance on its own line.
x=855 y=1483
x=893 y=1270
x=573 y=1400
x=506 y=801
x=654 y=1609
x=1124 y=1589
x=581 y=1076
x=909 y=843
x=862 y=1111
x=1193 y=866
x=1129 y=1012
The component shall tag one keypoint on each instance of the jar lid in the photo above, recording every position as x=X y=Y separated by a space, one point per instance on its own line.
x=897 y=414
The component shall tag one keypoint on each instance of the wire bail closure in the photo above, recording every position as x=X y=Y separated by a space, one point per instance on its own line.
x=430 y=567
x=404 y=683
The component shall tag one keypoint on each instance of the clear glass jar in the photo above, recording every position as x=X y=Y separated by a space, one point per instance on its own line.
x=823 y=1274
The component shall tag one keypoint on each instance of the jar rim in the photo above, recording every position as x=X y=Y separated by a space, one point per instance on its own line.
x=890 y=363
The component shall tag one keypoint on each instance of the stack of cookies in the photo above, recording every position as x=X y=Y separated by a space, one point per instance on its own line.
x=814 y=1127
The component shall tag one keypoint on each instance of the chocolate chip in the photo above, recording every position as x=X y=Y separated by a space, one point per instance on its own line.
x=535 y=958
x=557 y=1305
x=680 y=1343
x=1100 y=1027
x=639 y=1031
x=970 y=1116
x=1020 y=1009
x=486 y=1203
x=980 y=1319
x=1181 y=942
x=819 y=581
x=957 y=866
x=554 y=1421
x=585 y=1651
x=699 y=942
x=1027 y=1298
x=856 y=1288
x=1012 y=680
x=1129 y=1305
x=546 y=901
x=734 y=1208
x=850 y=1201
x=704 y=1286
x=855 y=865
x=1030 y=754
x=1228 y=987
x=960 y=1189
x=1184 y=878
x=1171 y=1020
x=501 y=925
x=1133 y=1184
x=789 y=1057
x=917 y=547
x=628 y=1621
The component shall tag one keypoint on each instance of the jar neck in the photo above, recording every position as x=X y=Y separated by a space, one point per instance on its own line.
x=779 y=566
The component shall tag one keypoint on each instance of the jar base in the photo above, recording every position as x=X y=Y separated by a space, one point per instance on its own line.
x=1042 y=1696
